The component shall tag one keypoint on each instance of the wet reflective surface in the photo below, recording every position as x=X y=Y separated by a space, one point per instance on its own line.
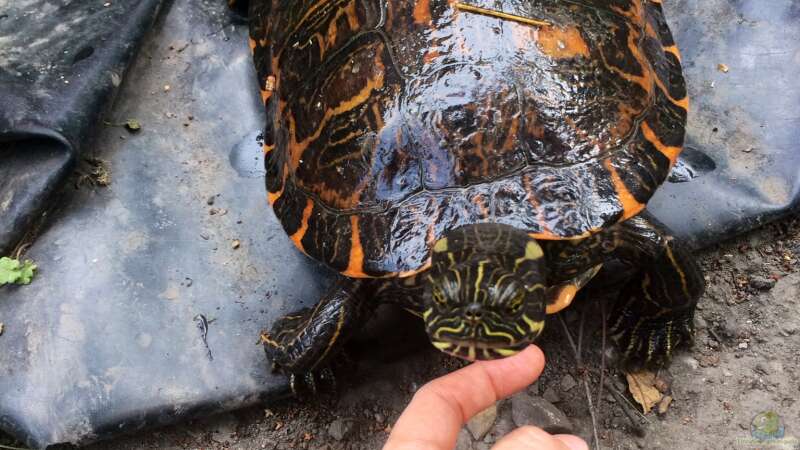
x=247 y=157
x=167 y=375
x=419 y=118
x=692 y=163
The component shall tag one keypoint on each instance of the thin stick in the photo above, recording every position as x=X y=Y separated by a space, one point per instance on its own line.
x=584 y=378
x=502 y=15
x=569 y=336
x=591 y=411
x=8 y=447
x=580 y=335
x=637 y=428
x=602 y=357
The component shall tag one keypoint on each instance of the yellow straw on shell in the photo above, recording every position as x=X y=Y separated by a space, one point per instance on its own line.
x=501 y=15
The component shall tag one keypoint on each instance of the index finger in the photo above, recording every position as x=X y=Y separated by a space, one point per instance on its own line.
x=440 y=408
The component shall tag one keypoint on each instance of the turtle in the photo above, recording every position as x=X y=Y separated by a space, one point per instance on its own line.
x=475 y=163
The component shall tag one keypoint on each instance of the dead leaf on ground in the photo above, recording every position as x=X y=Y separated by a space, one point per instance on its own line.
x=641 y=385
x=663 y=405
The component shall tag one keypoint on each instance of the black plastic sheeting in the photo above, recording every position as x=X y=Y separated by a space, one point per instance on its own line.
x=143 y=312
x=60 y=64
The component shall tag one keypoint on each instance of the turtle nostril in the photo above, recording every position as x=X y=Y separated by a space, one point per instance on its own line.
x=474 y=311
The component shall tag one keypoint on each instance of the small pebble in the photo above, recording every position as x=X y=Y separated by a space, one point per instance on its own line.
x=568 y=382
x=551 y=395
x=762 y=283
x=481 y=423
x=340 y=428
x=532 y=410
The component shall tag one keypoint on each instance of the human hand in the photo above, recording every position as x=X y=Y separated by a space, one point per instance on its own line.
x=440 y=409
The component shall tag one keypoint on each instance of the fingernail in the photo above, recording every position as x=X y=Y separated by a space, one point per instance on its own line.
x=573 y=442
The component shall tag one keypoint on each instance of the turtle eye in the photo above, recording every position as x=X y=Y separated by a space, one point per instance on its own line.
x=438 y=296
x=515 y=305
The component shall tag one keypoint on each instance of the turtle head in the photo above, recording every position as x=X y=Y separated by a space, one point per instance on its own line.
x=485 y=292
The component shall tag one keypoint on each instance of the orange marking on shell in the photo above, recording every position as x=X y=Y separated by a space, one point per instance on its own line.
x=329 y=40
x=272 y=197
x=630 y=206
x=650 y=31
x=310 y=12
x=673 y=49
x=565 y=296
x=352 y=16
x=635 y=13
x=511 y=137
x=410 y=273
x=268 y=148
x=666 y=150
x=625 y=124
x=297 y=237
x=296 y=149
x=549 y=236
x=531 y=197
x=422 y=12
x=682 y=102
x=252 y=43
x=430 y=55
x=646 y=80
x=558 y=42
x=355 y=266
x=479 y=201
x=376 y=111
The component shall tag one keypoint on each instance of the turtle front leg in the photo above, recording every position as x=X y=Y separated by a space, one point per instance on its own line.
x=303 y=343
x=655 y=311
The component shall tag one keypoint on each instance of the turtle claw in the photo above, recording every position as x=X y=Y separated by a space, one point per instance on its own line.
x=311 y=383
x=651 y=341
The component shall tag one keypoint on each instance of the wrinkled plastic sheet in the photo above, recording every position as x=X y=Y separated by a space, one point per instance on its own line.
x=143 y=312
x=60 y=64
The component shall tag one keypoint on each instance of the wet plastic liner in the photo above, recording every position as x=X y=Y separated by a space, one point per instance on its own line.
x=152 y=291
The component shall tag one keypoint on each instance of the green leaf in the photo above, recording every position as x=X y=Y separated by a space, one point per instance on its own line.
x=12 y=271
x=133 y=125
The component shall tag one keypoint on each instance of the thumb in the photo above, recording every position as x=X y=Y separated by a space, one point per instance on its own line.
x=532 y=438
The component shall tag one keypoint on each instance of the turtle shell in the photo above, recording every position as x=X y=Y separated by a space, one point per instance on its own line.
x=390 y=122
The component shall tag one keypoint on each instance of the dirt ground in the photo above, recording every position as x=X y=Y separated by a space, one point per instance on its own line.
x=745 y=361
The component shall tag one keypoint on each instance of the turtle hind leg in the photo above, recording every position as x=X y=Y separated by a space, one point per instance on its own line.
x=648 y=335
x=654 y=314
x=303 y=344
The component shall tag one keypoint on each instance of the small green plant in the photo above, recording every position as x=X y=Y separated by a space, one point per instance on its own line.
x=12 y=271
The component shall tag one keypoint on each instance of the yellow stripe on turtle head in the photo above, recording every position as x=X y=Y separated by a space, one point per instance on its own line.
x=441 y=345
x=506 y=351
x=534 y=326
x=533 y=250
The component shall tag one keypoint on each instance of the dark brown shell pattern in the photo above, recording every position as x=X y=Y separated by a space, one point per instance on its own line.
x=390 y=122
